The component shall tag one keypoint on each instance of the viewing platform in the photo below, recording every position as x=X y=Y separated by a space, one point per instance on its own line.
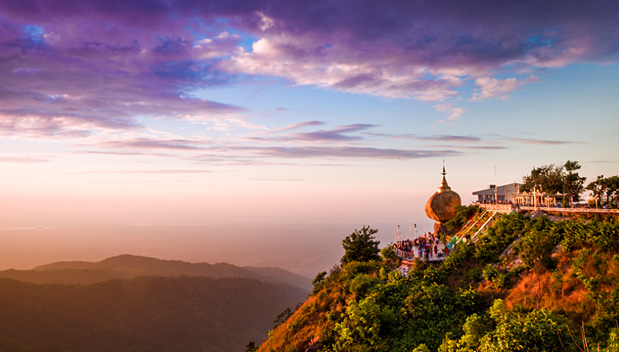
x=508 y=208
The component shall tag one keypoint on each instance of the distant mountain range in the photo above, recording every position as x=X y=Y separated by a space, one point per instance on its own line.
x=132 y=303
x=130 y=266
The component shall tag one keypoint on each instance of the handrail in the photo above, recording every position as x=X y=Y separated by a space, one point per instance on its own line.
x=570 y=210
x=481 y=216
x=484 y=225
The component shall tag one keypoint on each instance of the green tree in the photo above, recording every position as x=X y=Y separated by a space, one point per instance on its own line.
x=318 y=281
x=573 y=184
x=546 y=179
x=360 y=246
x=613 y=189
x=556 y=179
x=538 y=244
x=605 y=186
x=598 y=188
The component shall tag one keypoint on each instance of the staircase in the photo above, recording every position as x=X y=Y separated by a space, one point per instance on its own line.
x=476 y=225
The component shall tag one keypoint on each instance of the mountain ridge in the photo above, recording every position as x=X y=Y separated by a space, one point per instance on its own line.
x=128 y=266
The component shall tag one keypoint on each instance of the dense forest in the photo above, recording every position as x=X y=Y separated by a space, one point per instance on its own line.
x=146 y=313
x=528 y=284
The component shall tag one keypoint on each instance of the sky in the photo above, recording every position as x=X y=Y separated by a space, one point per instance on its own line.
x=264 y=132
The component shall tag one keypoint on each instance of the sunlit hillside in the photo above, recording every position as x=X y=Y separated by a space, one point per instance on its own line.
x=526 y=285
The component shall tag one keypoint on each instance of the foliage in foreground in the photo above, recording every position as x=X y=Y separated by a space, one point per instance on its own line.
x=562 y=297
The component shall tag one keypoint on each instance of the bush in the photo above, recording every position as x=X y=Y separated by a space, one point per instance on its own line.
x=360 y=246
x=538 y=330
x=537 y=246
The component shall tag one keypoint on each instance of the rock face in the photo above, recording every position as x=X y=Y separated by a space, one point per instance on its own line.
x=442 y=205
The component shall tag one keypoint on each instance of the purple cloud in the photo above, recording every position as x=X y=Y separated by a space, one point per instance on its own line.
x=470 y=147
x=294 y=126
x=541 y=141
x=437 y=138
x=425 y=50
x=450 y=138
x=149 y=144
x=327 y=152
x=74 y=67
x=334 y=135
x=71 y=68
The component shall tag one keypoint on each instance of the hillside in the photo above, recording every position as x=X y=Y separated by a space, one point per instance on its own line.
x=131 y=266
x=142 y=314
x=526 y=285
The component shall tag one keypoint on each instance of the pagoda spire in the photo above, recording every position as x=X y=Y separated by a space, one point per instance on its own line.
x=444 y=186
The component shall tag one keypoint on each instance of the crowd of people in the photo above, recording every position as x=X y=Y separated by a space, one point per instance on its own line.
x=426 y=247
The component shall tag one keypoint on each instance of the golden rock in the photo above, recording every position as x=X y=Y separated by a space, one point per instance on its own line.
x=442 y=205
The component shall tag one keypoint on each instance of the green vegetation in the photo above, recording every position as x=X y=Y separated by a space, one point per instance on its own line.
x=565 y=180
x=525 y=285
x=463 y=214
x=553 y=179
x=608 y=187
x=360 y=246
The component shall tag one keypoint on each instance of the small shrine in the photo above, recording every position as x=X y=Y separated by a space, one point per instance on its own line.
x=442 y=205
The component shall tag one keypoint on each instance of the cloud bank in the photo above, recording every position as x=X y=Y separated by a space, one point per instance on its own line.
x=80 y=68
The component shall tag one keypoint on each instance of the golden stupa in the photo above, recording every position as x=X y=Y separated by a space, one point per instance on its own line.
x=442 y=205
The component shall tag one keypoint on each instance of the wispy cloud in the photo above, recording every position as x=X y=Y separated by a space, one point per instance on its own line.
x=453 y=113
x=294 y=126
x=337 y=134
x=149 y=143
x=278 y=179
x=149 y=171
x=433 y=138
x=495 y=88
x=327 y=152
x=470 y=147
x=334 y=135
x=450 y=138
x=25 y=228
x=122 y=153
x=541 y=141
x=25 y=159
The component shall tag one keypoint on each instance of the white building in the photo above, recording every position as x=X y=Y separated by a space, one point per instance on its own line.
x=493 y=193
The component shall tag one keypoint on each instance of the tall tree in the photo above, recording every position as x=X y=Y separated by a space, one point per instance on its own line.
x=613 y=189
x=360 y=246
x=598 y=188
x=573 y=184
x=546 y=179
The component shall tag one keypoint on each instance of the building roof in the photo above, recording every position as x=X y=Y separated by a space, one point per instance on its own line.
x=501 y=189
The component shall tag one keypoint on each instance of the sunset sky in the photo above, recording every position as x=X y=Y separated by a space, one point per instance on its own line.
x=188 y=129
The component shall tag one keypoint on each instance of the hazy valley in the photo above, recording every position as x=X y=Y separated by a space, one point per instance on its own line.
x=142 y=304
